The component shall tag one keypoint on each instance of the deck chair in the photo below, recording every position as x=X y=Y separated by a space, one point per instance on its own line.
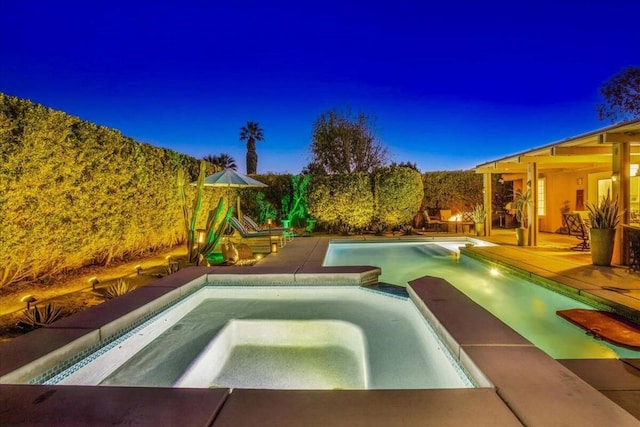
x=257 y=240
x=577 y=227
x=445 y=214
x=252 y=225
x=467 y=221
x=434 y=223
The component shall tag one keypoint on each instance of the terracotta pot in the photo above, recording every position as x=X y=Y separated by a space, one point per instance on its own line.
x=601 y=241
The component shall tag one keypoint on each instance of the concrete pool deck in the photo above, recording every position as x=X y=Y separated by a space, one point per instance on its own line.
x=529 y=387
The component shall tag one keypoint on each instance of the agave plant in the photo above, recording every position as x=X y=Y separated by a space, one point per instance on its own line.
x=36 y=317
x=479 y=214
x=604 y=215
x=120 y=287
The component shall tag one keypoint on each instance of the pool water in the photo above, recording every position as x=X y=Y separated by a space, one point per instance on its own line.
x=388 y=344
x=528 y=308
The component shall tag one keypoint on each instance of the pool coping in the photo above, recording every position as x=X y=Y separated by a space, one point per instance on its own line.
x=544 y=393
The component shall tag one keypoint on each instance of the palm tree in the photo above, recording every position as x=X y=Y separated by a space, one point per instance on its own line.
x=222 y=161
x=251 y=133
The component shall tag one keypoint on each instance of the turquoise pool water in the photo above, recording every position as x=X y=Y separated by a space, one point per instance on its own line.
x=526 y=307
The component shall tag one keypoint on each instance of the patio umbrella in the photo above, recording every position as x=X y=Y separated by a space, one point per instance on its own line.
x=231 y=179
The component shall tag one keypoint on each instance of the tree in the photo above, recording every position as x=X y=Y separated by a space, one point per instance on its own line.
x=409 y=165
x=222 y=161
x=345 y=144
x=251 y=133
x=621 y=96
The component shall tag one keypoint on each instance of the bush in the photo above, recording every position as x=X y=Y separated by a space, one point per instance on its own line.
x=455 y=190
x=342 y=201
x=398 y=193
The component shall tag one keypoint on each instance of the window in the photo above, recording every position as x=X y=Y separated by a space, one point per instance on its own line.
x=542 y=209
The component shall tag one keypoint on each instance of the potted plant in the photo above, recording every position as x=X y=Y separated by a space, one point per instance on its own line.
x=479 y=216
x=604 y=219
x=521 y=203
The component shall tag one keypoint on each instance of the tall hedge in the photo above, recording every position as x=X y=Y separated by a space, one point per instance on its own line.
x=455 y=190
x=342 y=200
x=398 y=194
x=73 y=193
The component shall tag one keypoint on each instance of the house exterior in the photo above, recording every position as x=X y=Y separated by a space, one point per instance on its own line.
x=565 y=175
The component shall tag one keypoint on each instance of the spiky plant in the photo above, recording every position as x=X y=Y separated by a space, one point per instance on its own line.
x=407 y=230
x=479 y=214
x=36 y=317
x=120 y=287
x=604 y=215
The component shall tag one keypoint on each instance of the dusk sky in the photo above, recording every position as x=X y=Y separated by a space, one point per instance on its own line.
x=452 y=84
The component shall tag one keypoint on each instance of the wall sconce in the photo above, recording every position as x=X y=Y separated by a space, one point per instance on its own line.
x=614 y=177
x=579 y=181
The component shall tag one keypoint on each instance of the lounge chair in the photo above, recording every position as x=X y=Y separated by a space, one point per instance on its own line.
x=252 y=225
x=258 y=240
x=578 y=228
x=433 y=223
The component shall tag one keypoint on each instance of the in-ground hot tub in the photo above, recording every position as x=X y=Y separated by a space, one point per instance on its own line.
x=282 y=354
x=289 y=337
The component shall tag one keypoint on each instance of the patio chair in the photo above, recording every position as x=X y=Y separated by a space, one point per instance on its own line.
x=434 y=223
x=445 y=214
x=467 y=221
x=578 y=228
x=257 y=240
x=252 y=225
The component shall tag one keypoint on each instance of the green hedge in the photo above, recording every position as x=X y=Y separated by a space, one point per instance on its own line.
x=73 y=193
x=398 y=194
x=455 y=190
x=390 y=196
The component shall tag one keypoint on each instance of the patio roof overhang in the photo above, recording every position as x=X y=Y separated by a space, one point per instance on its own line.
x=583 y=152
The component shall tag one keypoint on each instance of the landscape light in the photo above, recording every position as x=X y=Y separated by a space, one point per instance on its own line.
x=93 y=281
x=28 y=299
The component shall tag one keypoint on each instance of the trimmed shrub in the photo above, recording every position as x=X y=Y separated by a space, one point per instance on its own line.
x=342 y=200
x=455 y=190
x=398 y=193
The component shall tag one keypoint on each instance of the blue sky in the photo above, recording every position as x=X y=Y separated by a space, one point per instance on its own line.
x=452 y=84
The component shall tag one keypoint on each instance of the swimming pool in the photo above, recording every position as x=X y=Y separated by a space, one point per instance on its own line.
x=524 y=306
x=284 y=337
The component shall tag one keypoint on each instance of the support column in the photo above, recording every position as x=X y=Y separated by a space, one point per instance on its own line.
x=487 y=198
x=621 y=186
x=532 y=179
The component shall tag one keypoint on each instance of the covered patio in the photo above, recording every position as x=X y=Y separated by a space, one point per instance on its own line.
x=563 y=176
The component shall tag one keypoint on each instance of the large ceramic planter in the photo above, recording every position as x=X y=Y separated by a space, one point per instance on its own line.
x=479 y=229
x=286 y=223
x=521 y=236
x=601 y=241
